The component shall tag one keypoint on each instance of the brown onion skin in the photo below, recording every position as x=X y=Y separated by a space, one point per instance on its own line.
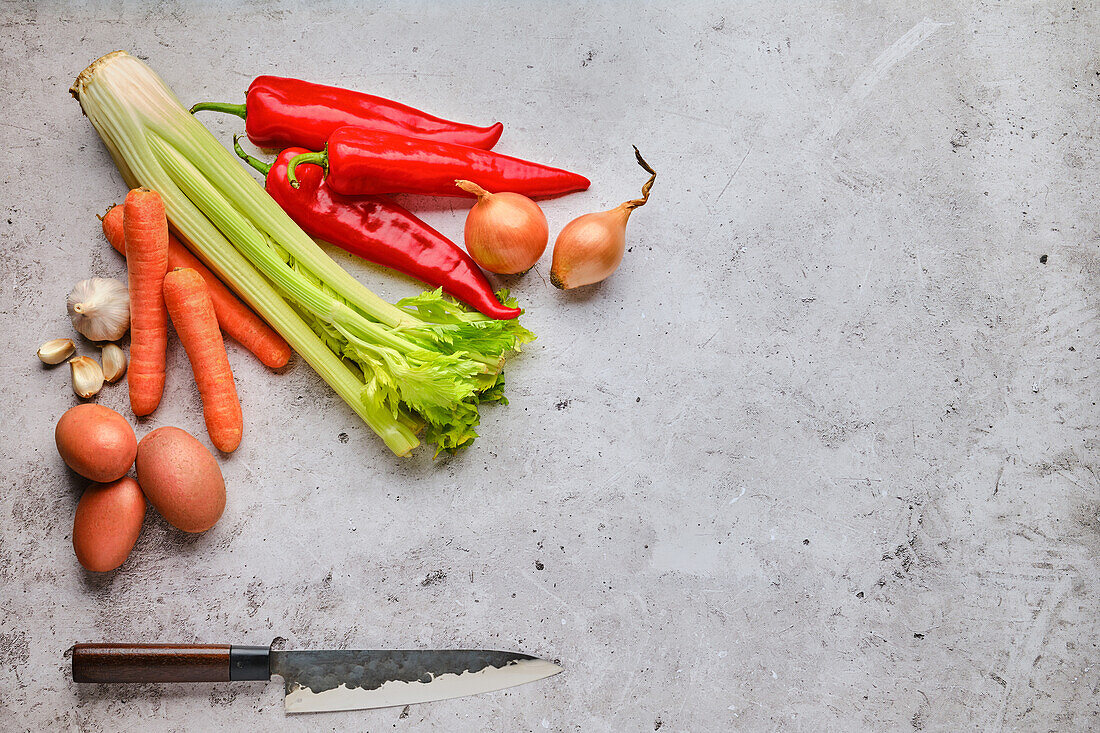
x=589 y=248
x=506 y=233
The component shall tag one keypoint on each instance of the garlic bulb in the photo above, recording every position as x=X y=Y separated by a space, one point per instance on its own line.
x=100 y=308
x=56 y=351
x=114 y=362
x=87 y=376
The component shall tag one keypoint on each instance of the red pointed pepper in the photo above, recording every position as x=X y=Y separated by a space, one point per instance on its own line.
x=379 y=231
x=279 y=112
x=361 y=162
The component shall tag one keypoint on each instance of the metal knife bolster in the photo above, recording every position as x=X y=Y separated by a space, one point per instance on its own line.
x=249 y=663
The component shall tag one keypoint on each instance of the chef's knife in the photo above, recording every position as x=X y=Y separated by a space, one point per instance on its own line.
x=317 y=681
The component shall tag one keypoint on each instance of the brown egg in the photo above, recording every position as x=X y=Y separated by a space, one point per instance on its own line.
x=96 y=442
x=108 y=522
x=181 y=478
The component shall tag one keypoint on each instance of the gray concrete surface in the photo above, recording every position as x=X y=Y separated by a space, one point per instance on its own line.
x=821 y=456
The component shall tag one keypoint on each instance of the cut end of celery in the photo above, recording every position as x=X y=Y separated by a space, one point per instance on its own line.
x=85 y=76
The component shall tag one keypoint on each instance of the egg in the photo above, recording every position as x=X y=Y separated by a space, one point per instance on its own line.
x=108 y=522
x=96 y=442
x=181 y=478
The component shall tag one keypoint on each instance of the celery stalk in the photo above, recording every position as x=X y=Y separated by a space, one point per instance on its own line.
x=423 y=362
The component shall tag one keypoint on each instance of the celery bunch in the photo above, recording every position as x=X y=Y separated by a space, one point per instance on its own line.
x=425 y=363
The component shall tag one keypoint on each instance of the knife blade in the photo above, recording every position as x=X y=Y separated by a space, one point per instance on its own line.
x=318 y=680
x=350 y=680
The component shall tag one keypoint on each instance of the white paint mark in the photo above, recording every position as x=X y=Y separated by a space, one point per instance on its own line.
x=545 y=723
x=774 y=675
x=1023 y=660
x=722 y=653
x=875 y=73
x=734 y=499
x=886 y=60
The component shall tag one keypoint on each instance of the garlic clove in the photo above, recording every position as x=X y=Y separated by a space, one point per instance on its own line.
x=99 y=308
x=56 y=351
x=114 y=362
x=87 y=376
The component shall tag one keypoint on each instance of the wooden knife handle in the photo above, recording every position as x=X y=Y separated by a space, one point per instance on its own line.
x=151 y=663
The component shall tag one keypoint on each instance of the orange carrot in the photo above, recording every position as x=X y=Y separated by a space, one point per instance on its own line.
x=192 y=311
x=145 y=230
x=234 y=317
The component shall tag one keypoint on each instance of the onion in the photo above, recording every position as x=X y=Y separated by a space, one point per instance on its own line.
x=591 y=247
x=506 y=233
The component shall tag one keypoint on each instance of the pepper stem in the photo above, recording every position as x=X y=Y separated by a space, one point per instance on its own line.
x=320 y=159
x=228 y=108
x=471 y=187
x=635 y=203
x=256 y=163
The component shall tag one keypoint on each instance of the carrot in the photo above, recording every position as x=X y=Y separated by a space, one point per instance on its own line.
x=234 y=317
x=145 y=230
x=192 y=311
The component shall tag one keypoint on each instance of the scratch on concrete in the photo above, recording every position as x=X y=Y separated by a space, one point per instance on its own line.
x=734 y=174
x=1024 y=660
